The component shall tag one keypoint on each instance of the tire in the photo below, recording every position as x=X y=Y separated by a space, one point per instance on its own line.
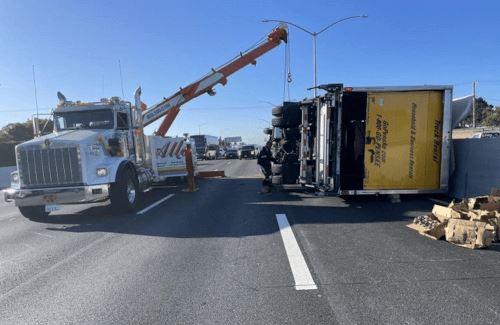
x=268 y=131
x=278 y=122
x=277 y=180
x=277 y=111
x=124 y=193
x=276 y=169
x=34 y=212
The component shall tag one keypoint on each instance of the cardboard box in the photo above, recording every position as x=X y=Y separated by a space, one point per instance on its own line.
x=443 y=214
x=481 y=215
x=490 y=206
x=434 y=230
x=470 y=234
x=474 y=202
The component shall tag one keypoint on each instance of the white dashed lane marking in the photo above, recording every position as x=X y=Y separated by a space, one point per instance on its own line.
x=155 y=204
x=301 y=274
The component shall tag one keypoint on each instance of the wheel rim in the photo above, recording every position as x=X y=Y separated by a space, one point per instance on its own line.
x=131 y=191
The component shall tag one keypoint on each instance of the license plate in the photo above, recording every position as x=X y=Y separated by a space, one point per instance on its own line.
x=52 y=208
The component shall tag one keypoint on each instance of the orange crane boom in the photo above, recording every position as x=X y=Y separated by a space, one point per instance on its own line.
x=170 y=107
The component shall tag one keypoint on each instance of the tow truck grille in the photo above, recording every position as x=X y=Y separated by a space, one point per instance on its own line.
x=48 y=167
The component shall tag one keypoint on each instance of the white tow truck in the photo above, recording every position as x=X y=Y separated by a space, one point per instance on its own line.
x=98 y=150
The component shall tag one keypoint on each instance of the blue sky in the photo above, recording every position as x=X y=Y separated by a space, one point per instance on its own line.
x=162 y=45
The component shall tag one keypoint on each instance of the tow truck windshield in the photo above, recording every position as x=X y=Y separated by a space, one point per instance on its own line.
x=92 y=119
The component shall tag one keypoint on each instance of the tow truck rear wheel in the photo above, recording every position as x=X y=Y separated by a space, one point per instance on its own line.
x=124 y=192
x=34 y=212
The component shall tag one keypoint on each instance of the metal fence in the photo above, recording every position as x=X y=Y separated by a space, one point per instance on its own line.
x=477 y=167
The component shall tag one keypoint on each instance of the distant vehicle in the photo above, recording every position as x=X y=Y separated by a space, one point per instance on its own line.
x=201 y=142
x=486 y=134
x=222 y=152
x=231 y=154
x=247 y=151
x=212 y=152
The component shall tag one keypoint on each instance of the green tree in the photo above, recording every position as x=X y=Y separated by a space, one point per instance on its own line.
x=493 y=119
x=485 y=114
x=23 y=131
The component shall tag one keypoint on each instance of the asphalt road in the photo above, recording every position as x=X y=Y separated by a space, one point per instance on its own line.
x=218 y=256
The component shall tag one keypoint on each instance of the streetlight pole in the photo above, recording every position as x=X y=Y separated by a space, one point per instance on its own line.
x=314 y=67
x=315 y=74
x=314 y=35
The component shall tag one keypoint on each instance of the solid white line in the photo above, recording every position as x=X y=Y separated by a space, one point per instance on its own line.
x=155 y=204
x=301 y=274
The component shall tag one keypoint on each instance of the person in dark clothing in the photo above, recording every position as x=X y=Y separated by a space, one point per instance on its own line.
x=264 y=161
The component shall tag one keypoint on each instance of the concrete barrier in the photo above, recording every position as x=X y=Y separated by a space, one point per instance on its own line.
x=477 y=167
x=5 y=176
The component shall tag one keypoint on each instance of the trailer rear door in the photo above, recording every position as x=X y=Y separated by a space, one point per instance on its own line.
x=403 y=140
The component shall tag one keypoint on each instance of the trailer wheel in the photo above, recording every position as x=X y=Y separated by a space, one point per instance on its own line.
x=124 y=193
x=277 y=180
x=276 y=169
x=277 y=111
x=34 y=212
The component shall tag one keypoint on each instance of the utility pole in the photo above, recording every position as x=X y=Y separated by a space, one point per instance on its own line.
x=474 y=104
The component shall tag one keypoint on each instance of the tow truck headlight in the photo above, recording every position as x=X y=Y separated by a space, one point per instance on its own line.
x=14 y=177
x=101 y=172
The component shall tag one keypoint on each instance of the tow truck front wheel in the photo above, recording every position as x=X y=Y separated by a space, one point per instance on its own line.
x=124 y=192
x=34 y=212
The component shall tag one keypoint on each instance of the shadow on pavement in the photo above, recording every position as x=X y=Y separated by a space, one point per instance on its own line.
x=234 y=208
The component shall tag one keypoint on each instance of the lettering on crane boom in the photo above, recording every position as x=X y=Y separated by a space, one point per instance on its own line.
x=157 y=112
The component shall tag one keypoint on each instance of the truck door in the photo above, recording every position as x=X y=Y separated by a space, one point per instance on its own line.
x=403 y=140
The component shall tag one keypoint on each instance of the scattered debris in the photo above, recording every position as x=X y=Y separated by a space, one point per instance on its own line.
x=428 y=225
x=472 y=223
x=469 y=233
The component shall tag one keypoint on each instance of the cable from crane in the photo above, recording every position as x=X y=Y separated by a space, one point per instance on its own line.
x=287 y=78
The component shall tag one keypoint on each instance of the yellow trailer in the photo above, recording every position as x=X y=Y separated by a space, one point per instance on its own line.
x=377 y=140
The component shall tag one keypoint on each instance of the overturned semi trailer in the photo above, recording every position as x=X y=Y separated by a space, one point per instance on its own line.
x=366 y=140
